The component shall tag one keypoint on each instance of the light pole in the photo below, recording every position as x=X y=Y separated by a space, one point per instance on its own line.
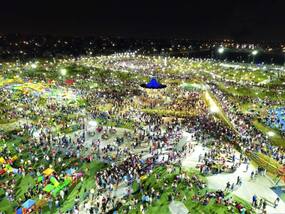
x=221 y=50
x=254 y=53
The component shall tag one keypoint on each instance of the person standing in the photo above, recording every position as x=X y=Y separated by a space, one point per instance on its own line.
x=254 y=200
x=264 y=205
x=260 y=203
x=61 y=194
x=276 y=202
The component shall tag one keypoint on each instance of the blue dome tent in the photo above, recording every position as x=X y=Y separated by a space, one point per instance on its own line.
x=153 y=84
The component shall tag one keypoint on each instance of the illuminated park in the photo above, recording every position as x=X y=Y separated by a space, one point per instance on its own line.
x=128 y=133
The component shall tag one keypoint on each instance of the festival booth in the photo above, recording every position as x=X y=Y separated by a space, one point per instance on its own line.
x=54 y=186
x=27 y=207
x=7 y=163
x=48 y=172
x=40 y=204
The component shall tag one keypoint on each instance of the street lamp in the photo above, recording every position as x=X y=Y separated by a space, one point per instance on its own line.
x=221 y=50
x=254 y=52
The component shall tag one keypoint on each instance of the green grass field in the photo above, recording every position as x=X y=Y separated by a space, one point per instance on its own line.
x=182 y=191
x=276 y=139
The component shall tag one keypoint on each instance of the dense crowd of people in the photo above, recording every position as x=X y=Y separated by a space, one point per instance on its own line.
x=55 y=132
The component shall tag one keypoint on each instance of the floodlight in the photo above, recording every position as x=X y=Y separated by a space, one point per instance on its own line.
x=254 y=52
x=221 y=50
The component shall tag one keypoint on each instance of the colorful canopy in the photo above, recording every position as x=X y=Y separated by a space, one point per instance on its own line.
x=19 y=211
x=28 y=204
x=54 y=181
x=48 y=188
x=48 y=171
x=2 y=160
x=40 y=178
x=70 y=171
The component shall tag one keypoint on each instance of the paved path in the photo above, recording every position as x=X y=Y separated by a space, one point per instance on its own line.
x=192 y=159
x=261 y=186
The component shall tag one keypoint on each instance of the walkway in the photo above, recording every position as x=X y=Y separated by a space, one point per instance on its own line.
x=261 y=186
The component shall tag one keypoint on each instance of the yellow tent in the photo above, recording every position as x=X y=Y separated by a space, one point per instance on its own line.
x=2 y=160
x=48 y=171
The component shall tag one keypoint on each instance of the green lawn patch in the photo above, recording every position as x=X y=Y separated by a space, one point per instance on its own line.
x=163 y=184
x=276 y=139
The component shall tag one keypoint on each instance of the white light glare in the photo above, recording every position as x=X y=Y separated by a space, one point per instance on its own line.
x=255 y=52
x=221 y=50
x=34 y=65
x=270 y=134
x=92 y=123
x=63 y=71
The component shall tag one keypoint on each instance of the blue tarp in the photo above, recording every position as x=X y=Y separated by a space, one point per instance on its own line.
x=70 y=171
x=19 y=211
x=28 y=204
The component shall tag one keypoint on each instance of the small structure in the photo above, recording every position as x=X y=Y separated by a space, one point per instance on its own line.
x=153 y=84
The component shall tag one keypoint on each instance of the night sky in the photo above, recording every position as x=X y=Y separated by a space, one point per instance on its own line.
x=233 y=19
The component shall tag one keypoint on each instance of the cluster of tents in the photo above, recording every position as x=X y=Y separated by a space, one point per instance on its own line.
x=53 y=187
x=8 y=165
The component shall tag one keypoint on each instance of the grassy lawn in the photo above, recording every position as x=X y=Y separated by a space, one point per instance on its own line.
x=7 y=206
x=276 y=139
x=81 y=188
x=266 y=162
x=211 y=101
x=24 y=184
x=163 y=184
x=256 y=76
x=254 y=92
x=166 y=113
x=120 y=123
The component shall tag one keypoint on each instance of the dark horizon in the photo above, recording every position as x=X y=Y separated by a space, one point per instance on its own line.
x=203 y=20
